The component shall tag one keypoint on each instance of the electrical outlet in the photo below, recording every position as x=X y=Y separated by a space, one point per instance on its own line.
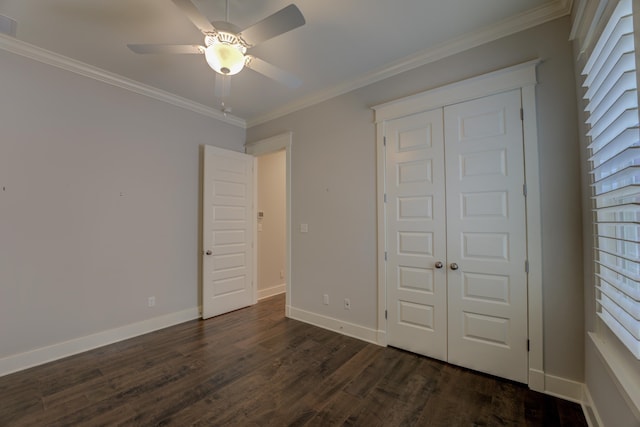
x=347 y=304
x=151 y=301
x=325 y=299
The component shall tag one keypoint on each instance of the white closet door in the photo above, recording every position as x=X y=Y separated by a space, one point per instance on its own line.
x=416 y=236
x=486 y=236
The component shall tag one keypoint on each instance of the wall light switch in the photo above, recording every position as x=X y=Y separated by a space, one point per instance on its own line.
x=304 y=228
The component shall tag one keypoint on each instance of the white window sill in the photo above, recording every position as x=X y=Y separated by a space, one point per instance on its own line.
x=623 y=367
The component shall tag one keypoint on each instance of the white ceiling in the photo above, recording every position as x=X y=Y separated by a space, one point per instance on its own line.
x=344 y=43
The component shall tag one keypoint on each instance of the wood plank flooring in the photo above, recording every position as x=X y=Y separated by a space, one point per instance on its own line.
x=254 y=367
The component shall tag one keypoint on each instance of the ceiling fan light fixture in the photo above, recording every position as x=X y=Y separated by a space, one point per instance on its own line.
x=225 y=57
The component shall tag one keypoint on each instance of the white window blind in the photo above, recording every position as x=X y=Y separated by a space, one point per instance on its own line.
x=612 y=111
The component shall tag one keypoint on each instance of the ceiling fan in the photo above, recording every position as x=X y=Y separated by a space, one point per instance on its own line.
x=225 y=45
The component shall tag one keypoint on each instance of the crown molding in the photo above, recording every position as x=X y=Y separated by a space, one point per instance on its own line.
x=568 y=5
x=536 y=16
x=577 y=18
x=547 y=12
x=44 y=56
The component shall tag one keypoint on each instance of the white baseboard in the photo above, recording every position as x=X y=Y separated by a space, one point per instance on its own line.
x=273 y=290
x=335 y=325
x=563 y=388
x=21 y=361
x=590 y=411
x=536 y=380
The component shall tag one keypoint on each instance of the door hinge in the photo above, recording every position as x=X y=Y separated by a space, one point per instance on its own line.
x=384 y=141
x=385 y=255
x=522 y=114
x=524 y=190
x=385 y=197
x=526 y=266
x=385 y=314
x=528 y=345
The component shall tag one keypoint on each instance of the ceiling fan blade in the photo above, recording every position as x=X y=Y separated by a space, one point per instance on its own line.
x=280 y=22
x=273 y=72
x=167 y=48
x=194 y=15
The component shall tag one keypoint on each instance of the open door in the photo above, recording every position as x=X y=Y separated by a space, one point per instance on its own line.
x=227 y=276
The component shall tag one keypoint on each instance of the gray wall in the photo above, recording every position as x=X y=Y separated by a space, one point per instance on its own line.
x=99 y=193
x=334 y=188
x=272 y=200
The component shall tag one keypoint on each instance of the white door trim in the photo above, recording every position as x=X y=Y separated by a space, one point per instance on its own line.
x=258 y=148
x=523 y=77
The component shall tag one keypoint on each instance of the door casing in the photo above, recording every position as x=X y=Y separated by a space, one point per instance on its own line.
x=523 y=77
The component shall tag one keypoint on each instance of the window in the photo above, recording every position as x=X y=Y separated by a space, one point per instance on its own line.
x=612 y=115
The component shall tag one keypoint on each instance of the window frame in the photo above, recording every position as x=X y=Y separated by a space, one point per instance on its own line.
x=614 y=169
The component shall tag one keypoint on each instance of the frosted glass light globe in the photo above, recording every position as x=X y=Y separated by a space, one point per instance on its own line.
x=225 y=58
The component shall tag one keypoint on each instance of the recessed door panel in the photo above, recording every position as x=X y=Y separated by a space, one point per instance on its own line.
x=231 y=285
x=485 y=329
x=415 y=172
x=491 y=288
x=230 y=189
x=415 y=139
x=484 y=246
x=415 y=243
x=416 y=279
x=229 y=213
x=223 y=238
x=485 y=124
x=414 y=315
x=484 y=204
x=482 y=164
x=411 y=208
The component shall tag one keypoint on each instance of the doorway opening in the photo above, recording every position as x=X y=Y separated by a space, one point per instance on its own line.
x=272 y=223
x=272 y=209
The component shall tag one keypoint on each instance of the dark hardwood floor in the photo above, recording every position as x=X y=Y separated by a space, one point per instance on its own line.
x=254 y=367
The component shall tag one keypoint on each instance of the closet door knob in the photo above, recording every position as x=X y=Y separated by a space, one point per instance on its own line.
x=208 y=252
x=439 y=264
x=454 y=266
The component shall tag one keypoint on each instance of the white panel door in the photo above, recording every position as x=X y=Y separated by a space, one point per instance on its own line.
x=486 y=236
x=228 y=231
x=416 y=236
